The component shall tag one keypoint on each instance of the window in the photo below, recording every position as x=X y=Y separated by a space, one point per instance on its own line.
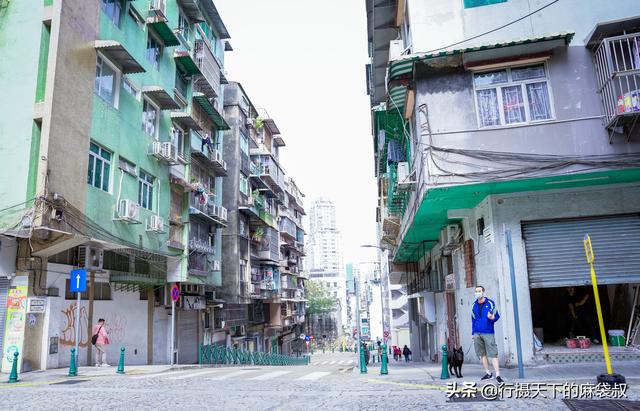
x=244 y=185
x=181 y=85
x=106 y=81
x=150 y=118
x=101 y=292
x=477 y=3
x=244 y=143
x=183 y=25
x=127 y=166
x=99 y=167
x=513 y=96
x=154 y=51
x=113 y=9
x=145 y=190
x=130 y=88
x=177 y=138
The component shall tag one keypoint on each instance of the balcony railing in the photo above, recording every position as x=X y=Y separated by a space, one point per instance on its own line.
x=288 y=227
x=202 y=246
x=208 y=66
x=617 y=62
x=209 y=152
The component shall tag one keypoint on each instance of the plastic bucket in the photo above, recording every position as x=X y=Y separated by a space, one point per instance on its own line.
x=616 y=338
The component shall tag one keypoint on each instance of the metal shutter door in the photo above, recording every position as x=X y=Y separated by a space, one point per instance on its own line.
x=4 y=290
x=555 y=251
x=188 y=337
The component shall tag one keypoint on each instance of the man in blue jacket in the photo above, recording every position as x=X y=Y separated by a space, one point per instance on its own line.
x=484 y=314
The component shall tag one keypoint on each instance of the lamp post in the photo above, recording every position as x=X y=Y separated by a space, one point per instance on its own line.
x=386 y=326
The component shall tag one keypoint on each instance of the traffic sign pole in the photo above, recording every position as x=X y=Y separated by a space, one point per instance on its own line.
x=78 y=284
x=175 y=294
x=77 y=327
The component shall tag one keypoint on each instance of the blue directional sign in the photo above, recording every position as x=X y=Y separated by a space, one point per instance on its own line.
x=78 y=281
x=307 y=338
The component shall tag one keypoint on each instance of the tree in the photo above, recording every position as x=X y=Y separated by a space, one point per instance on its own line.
x=318 y=299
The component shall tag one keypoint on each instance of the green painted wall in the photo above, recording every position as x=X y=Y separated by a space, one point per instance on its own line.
x=20 y=35
x=43 y=61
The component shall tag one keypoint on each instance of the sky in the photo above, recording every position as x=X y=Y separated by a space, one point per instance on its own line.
x=304 y=62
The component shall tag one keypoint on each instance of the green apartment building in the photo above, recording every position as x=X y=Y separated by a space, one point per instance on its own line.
x=111 y=147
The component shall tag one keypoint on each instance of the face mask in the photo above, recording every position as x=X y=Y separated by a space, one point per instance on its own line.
x=478 y=294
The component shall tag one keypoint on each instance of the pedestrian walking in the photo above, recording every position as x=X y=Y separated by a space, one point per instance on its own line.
x=100 y=339
x=407 y=353
x=484 y=314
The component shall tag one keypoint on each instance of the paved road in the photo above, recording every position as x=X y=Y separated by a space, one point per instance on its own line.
x=330 y=382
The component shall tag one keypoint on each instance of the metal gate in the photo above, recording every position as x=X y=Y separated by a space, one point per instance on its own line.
x=555 y=251
x=4 y=290
x=188 y=336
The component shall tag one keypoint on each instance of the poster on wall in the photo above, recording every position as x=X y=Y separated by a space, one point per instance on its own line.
x=15 y=323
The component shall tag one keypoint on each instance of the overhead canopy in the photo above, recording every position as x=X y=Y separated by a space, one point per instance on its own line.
x=184 y=120
x=160 y=96
x=381 y=22
x=404 y=65
x=612 y=28
x=191 y=10
x=213 y=113
x=212 y=12
x=185 y=62
x=271 y=125
x=119 y=55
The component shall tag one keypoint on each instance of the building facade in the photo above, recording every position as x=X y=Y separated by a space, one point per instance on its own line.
x=525 y=132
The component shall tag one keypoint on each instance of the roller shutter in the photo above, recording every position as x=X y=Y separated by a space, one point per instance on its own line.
x=555 y=251
x=4 y=290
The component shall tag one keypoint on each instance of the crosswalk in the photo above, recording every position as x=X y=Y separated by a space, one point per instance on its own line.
x=334 y=362
x=222 y=374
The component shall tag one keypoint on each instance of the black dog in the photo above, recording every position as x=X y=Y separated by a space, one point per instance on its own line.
x=455 y=360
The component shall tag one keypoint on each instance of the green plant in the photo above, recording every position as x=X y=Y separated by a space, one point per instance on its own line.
x=258 y=234
x=259 y=123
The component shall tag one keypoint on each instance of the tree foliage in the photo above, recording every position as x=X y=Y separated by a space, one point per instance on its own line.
x=319 y=301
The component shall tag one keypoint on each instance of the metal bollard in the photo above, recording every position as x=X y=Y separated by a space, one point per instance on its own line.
x=13 y=376
x=121 y=362
x=445 y=364
x=363 y=364
x=73 y=370
x=384 y=361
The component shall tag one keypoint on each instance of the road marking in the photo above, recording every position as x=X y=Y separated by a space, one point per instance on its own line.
x=341 y=362
x=270 y=375
x=323 y=362
x=230 y=375
x=350 y=362
x=193 y=374
x=432 y=387
x=332 y=362
x=314 y=376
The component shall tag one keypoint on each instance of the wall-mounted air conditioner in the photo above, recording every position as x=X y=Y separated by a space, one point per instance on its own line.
x=450 y=236
x=155 y=224
x=216 y=265
x=169 y=152
x=129 y=211
x=404 y=177
x=90 y=258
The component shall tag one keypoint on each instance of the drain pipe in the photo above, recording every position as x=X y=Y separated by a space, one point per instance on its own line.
x=514 y=297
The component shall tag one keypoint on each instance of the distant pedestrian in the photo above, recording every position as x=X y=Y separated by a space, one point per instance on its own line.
x=407 y=353
x=484 y=314
x=100 y=339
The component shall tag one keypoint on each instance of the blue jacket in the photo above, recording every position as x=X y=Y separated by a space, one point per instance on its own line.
x=481 y=324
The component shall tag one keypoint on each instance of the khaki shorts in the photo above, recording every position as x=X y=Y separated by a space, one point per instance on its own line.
x=485 y=345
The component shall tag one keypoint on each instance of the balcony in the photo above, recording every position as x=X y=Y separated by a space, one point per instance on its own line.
x=208 y=65
x=288 y=228
x=185 y=58
x=617 y=62
x=158 y=23
x=207 y=209
x=201 y=246
x=208 y=152
x=204 y=269
x=271 y=173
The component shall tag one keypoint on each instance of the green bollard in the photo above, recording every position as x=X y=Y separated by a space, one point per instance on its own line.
x=363 y=364
x=13 y=377
x=73 y=370
x=121 y=362
x=383 y=367
x=445 y=364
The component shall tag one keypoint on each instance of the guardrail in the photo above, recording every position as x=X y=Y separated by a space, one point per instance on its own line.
x=218 y=355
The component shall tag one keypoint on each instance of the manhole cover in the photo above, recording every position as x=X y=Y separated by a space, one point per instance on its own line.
x=602 y=405
x=68 y=382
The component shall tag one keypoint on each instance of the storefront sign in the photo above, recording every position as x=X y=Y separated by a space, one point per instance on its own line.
x=36 y=305
x=15 y=324
x=194 y=302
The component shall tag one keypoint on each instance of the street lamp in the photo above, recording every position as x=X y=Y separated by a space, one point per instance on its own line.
x=386 y=327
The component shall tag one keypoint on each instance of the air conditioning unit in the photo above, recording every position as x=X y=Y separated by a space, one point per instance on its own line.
x=216 y=265
x=155 y=224
x=90 y=258
x=450 y=236
x=156 y=150
x=129 y=211
x=218 y=157
x=404 y=177
x=396 y=48
x=250 y=200
x=169 y=152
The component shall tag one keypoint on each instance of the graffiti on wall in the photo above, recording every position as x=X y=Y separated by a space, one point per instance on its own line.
x=68 y=332
x=115 y=325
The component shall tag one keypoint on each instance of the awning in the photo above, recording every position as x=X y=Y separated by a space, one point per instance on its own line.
x=160 y=25
x=185 y=62
x=160 y=97
x=612 y=28
x=148 y=280
x=279 y=140
x=397 y=99
x=213 y=113
x=191 y=10
x=212 y=12
x=119 y=55
x=271 y=125
x=404 y=65
x=184 y=120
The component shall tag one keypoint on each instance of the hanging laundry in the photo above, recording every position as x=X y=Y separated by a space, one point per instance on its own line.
x=206 y=141
x=204 y=198
x=394 y=152
x=381 y=138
